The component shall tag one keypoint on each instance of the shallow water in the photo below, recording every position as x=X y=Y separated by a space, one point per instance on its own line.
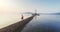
x=44 y=23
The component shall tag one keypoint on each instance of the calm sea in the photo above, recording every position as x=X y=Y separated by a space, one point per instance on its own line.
x=43 y=23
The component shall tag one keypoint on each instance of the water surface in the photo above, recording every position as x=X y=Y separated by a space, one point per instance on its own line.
x=8 y=19
x=44 y=23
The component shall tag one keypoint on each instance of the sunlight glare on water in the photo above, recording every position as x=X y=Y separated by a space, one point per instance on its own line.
x=7 y=19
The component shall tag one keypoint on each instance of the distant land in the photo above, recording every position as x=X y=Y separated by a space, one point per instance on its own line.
x=50 y=13
x=56 y=13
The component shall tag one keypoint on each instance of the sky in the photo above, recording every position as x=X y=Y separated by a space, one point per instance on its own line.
x=10 y=6
x=9 y=9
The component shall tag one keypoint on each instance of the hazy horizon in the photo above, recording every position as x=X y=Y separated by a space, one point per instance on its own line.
x=10 y=9
x=16 y=6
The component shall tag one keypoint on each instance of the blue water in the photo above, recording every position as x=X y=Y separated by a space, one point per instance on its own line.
x=43 y=23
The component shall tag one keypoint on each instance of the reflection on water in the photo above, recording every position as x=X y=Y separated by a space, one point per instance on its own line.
x=8 y=19
x=44 y=23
